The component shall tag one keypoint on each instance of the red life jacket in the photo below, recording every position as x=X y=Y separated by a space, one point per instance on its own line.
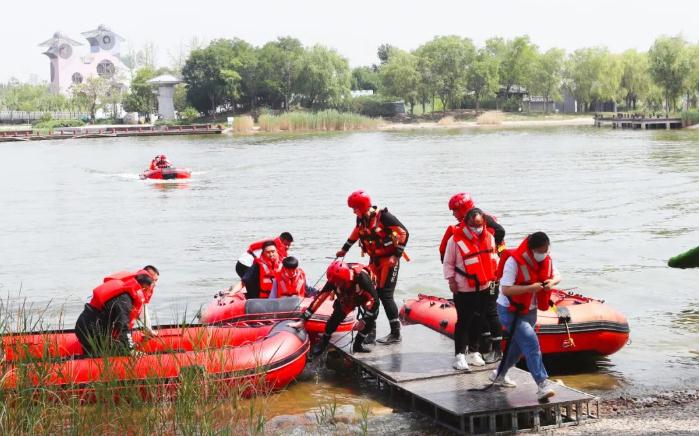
x=478 y=254
x=528 y=271
x=289 y=287
x=257 y=245
x=267 y=274
x=115 y=287
x=449 y=232
x=125 y=276
x=374 y=239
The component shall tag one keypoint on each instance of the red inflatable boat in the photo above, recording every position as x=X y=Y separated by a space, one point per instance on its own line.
x=266 y=356
x=235 y=309
x=167 y=174
x=574 y=324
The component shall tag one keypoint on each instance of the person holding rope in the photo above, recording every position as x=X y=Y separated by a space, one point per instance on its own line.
x=527 y=276
x=470 y=263
x=352 y=284
x=383 y=238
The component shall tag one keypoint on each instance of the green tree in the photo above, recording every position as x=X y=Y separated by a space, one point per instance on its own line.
x=324 y=79
x=517 y=62
x=93 y=94
x=280 y=66
x=211 y=76
x=141 y=98
x=16 y=96
x=635 y=79
x=547 y=75
x=400 y=77
x=483 y=76
x=365 y=78
x=591 y=75
x=449 y=59
x=670 y=67
x=247 y=66
x=384 y=52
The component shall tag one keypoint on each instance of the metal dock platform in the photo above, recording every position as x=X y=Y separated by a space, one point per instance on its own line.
x=417 y=374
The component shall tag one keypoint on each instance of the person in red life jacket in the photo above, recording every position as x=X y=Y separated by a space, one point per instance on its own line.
x=383 y=238
x=245 y=261
x=470 y=263
x=159 y=162
x=290 y=281
x=527 y=276
x=460 y=204
x=353 y=287
x=145 y=317
x=258 y=280
x=105 y=325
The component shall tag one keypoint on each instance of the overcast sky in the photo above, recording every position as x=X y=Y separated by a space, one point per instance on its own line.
x=354 y=28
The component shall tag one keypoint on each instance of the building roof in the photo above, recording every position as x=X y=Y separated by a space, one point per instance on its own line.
x=97 y=32
x=58 y=39
x=164 y=79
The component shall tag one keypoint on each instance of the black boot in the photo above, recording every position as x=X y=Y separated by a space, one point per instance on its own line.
x=358 y=346
x=321 y=345
x=394 y=336
x=370 y=338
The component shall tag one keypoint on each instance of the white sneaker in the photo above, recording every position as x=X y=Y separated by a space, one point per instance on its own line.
x=460 y=362
x=475 y=359
x=503 y=381
x=545 y=391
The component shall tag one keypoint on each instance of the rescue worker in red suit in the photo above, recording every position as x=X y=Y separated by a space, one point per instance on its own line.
x=460 y=204
x=105 y=325
x=383 y=238
x=258 y=280
x=353 y=287
x=159 y=162
x=282 y=242
x=290 y=281
x=470 y=263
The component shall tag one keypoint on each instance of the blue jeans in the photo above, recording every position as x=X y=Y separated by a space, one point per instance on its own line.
x=524 y=342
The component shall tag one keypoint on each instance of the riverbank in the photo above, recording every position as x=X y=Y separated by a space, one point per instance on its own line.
x=507 y=123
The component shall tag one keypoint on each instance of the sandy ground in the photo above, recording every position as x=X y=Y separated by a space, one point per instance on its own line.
x=581 y=121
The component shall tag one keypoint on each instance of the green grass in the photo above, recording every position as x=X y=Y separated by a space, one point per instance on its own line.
x=329 y=120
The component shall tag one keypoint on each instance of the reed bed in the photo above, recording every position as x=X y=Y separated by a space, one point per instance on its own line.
x=243 y=124
x=446 y=121
x=329 y=120
x=490 y=118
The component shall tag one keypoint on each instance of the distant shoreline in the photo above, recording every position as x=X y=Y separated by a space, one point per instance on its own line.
x=580 y=121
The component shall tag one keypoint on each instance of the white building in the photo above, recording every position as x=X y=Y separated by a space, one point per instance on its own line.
x=69 y=67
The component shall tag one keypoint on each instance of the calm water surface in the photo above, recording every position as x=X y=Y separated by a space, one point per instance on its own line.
x=617 y=205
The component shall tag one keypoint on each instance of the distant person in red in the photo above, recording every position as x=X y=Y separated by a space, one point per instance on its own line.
x=159 y=162
x=104 y=327
x=245 y=261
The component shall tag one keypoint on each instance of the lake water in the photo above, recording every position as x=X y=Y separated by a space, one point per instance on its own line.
x=617 y=204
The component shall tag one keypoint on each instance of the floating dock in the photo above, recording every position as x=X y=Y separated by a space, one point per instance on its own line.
x=109 y=132
x=639 y=122
x=418 y=374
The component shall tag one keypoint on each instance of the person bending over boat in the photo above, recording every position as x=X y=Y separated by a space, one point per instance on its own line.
x=470 y=263
x=159 y=162
x=245 y=261
x=145 y=318
x=258 y=280
x=527 y=276
x=353 y=286
x=383 y=237
x=105 y=325
x=290 y=281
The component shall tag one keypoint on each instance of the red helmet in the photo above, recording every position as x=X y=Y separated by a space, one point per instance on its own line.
x=339 y=272
x=359 y=200
x=461 y=201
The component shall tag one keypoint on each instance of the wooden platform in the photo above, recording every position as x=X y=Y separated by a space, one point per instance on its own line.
x=639 y=122
x=110 y=132
x=418 y=374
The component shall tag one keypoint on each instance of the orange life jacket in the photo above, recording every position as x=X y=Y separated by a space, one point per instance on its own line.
x=374 y=239
x=125 y=276
x=478 y=254
x=289 y=287
x=528 y=271
x=115 y=287
x=267 y=274
x=257 y=245
x=449 y=232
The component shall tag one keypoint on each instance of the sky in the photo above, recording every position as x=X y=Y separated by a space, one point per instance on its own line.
x=354 y=28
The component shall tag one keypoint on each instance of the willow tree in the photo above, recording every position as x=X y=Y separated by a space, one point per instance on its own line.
x=670 y=67
x=449 y=59
x=635 y=79
x=400 y=77
x=547 y=75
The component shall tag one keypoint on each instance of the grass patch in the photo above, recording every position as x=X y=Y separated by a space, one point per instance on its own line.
x=490 y=118
x=243 y=124
x=330 y=120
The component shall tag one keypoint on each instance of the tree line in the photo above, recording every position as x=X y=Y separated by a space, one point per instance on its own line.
x=448 y=72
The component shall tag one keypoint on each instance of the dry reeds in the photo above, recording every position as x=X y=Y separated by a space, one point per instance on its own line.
x=243 y=124
x=490 y=118
x=446 y=121
x=330 y=120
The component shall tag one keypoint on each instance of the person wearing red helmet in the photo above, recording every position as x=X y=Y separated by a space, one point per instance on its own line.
x=460 y=204
x=105 y=325
x=160 y=161
x=353 y=286
x=383 y=238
